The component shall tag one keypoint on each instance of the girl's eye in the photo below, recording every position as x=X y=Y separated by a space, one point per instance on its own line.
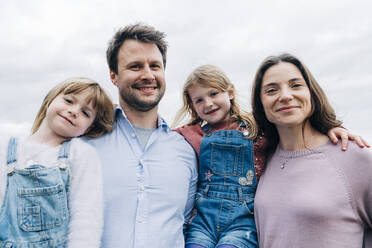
x=198 y=100
x=85 y=113
x=214 y=93
x=68 y=100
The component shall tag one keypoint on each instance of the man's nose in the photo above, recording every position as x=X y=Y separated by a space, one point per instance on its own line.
x=147 y=74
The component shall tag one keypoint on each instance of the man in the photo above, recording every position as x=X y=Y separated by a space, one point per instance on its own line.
x=149 y=171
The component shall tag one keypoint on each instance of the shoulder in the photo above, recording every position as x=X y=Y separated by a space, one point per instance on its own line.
x=353 y=153
x=175 y=144
x=188 y=129
x=174 y=137
x=102 y=140
x=191 y=132
x=4 y=141
x=81 y=147
x=355 y=164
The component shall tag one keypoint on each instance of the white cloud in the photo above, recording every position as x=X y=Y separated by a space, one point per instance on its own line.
x=47 y=41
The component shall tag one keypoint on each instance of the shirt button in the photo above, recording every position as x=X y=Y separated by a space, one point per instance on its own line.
x=142 y=188
x=139 y=220
x=133 y=135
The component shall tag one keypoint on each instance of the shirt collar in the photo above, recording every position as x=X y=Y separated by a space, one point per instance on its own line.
x=161 y=122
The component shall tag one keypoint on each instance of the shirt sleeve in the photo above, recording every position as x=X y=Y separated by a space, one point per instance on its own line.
x=192 y=190
x=86 y=197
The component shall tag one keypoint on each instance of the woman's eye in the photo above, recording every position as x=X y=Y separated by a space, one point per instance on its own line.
x=270 y=91
x=297 y=85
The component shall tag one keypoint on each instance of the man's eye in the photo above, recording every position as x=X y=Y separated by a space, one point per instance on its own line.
x=135 y=67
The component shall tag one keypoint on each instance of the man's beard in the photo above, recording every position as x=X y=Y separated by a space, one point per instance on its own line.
x=136 y=103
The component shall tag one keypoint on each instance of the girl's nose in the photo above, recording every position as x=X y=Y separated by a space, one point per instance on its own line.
x=208 y=102
x=73 y=111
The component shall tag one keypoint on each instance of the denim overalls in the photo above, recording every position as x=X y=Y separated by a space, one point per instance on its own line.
x=226 y=190
x=34 y=212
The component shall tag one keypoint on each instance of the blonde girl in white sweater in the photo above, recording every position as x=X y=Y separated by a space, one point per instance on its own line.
x=50 y=182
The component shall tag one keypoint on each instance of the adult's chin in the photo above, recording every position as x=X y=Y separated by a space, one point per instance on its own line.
x=142 y=105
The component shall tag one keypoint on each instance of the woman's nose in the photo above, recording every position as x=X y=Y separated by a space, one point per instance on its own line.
x=285 y=95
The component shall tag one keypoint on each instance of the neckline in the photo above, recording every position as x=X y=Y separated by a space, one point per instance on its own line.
x=301 y=153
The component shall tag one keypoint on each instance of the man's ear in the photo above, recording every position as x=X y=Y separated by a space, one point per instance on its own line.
x=114 y=78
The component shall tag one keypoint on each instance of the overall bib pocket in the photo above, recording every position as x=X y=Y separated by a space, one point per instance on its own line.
x=42 y=208
x=232 y=155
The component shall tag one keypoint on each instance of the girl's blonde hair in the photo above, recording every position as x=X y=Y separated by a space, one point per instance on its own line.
x=100 y=100
x=212 y=76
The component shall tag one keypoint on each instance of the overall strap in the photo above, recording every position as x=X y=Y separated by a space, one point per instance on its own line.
x=64 y=150
x=242 y=127
x=12 y=151
x=206 y=127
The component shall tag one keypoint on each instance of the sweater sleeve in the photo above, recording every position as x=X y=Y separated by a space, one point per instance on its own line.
x=358 y=170
x=86 y=197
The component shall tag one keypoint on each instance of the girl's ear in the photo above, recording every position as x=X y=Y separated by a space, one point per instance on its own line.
x=231 y=92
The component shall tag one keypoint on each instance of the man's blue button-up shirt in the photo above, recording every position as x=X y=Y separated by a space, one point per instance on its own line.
x=148 y=193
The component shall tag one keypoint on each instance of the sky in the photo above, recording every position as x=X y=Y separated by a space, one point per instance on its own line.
x=44 y=42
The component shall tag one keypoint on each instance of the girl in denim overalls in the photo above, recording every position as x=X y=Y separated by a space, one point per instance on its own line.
x=231 y=158
x=50 y=184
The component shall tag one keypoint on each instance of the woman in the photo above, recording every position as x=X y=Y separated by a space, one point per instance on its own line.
x=311 y=194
